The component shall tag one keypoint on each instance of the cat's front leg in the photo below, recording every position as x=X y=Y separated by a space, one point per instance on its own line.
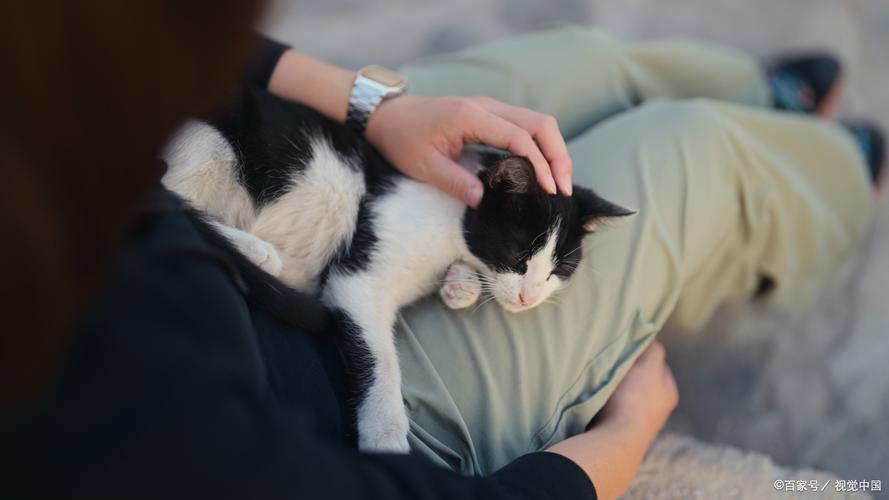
x=257 y=250
x=462 y=286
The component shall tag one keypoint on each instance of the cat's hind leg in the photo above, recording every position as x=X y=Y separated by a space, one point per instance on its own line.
x=461 y=286
x=257 y=250
x=367 y=325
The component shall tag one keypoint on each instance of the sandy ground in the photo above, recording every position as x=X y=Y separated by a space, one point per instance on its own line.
x=809 y=388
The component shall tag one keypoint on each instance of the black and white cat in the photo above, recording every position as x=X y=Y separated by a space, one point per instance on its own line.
x=312 y=204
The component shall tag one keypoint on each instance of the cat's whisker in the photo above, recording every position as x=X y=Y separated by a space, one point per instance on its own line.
x=588 y=267
x=572 y=252
x=483 y=276
x=553 y=302
x=488 y=299
x=468 y=281
x=542 y=233
x=487 y=281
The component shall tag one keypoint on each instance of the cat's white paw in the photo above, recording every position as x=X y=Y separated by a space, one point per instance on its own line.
x=391 y=442
x=461 y=287
x=383 y=428
x=263 y=254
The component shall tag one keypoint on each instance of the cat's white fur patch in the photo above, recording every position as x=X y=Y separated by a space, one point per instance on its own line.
x=321 y=202
x=201 y=167
x=258 y=251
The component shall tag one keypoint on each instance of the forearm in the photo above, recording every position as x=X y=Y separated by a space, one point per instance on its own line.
x=314 y=83
x=610 y=454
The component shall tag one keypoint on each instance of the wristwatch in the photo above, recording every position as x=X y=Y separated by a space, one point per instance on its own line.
x=372 y=85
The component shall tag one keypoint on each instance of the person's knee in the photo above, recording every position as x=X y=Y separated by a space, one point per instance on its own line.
x=690 y=122
x=660 y=138
x=687 y=119
x=587 y=36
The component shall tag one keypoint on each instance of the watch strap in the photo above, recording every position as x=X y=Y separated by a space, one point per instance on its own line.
x=373 y=84
x=366 y=96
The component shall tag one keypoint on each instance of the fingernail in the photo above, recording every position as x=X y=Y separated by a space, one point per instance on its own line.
x=552 y=187
x=475 y=195
x=569 y=189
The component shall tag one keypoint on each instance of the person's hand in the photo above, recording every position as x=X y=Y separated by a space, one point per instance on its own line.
x=646 y=396
x=611 y=451
x=423 y=136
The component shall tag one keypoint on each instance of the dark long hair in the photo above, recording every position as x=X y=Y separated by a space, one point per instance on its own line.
x=90 y=91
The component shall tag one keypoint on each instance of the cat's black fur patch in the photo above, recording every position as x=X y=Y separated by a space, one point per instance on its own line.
x=357 y=254
x=272 y=140
x=356 y=356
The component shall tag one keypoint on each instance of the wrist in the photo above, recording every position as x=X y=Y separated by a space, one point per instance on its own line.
x=640 y=426
x=610 y=454
x=375 y=131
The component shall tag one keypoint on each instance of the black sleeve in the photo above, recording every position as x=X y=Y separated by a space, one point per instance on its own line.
x=260 y=71
x=166 y=395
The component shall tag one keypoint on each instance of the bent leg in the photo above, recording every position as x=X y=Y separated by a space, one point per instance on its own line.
x=726 y=194
x=582 y=75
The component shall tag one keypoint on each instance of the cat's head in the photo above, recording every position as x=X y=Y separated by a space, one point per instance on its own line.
x=530 y=241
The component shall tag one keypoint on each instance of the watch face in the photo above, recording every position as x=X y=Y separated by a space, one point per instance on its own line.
x=384 y=76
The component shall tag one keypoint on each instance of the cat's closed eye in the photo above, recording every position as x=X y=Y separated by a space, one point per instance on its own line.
x=517 y=261
x=564 y=268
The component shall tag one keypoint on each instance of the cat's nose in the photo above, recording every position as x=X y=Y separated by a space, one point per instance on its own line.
x=524 y=299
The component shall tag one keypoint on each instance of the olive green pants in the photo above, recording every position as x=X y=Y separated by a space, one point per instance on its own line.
x=727 y=192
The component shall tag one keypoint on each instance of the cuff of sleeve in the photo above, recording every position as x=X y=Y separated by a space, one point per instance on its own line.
x=550 y=474
x=263 y=65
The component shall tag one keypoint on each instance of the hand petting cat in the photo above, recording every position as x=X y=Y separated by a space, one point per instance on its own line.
x=423 y=136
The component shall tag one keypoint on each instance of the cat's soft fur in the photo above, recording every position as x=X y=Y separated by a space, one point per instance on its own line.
x=311 y=203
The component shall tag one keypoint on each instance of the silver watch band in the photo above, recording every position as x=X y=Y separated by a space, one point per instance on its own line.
x=368 y=92
x=366 y=96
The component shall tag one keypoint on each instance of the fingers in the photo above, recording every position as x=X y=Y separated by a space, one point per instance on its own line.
x=544 y=130
x=654 y=353
x=483 y=126
x=668 y=377
x=455 y=180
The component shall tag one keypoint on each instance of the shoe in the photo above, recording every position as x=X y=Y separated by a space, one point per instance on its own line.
x=873 y=147
x=806 y=84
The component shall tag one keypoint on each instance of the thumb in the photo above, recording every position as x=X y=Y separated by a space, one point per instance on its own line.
x=455 y=180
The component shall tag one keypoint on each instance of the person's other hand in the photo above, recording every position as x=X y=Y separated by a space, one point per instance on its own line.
x=646 y=396
x=611 y=450
x=423 y=137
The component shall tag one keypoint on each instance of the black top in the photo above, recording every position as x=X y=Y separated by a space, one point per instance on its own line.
x=177 y=387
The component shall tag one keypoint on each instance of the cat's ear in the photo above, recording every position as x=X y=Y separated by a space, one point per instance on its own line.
x=593 y=210
x=513 y=175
